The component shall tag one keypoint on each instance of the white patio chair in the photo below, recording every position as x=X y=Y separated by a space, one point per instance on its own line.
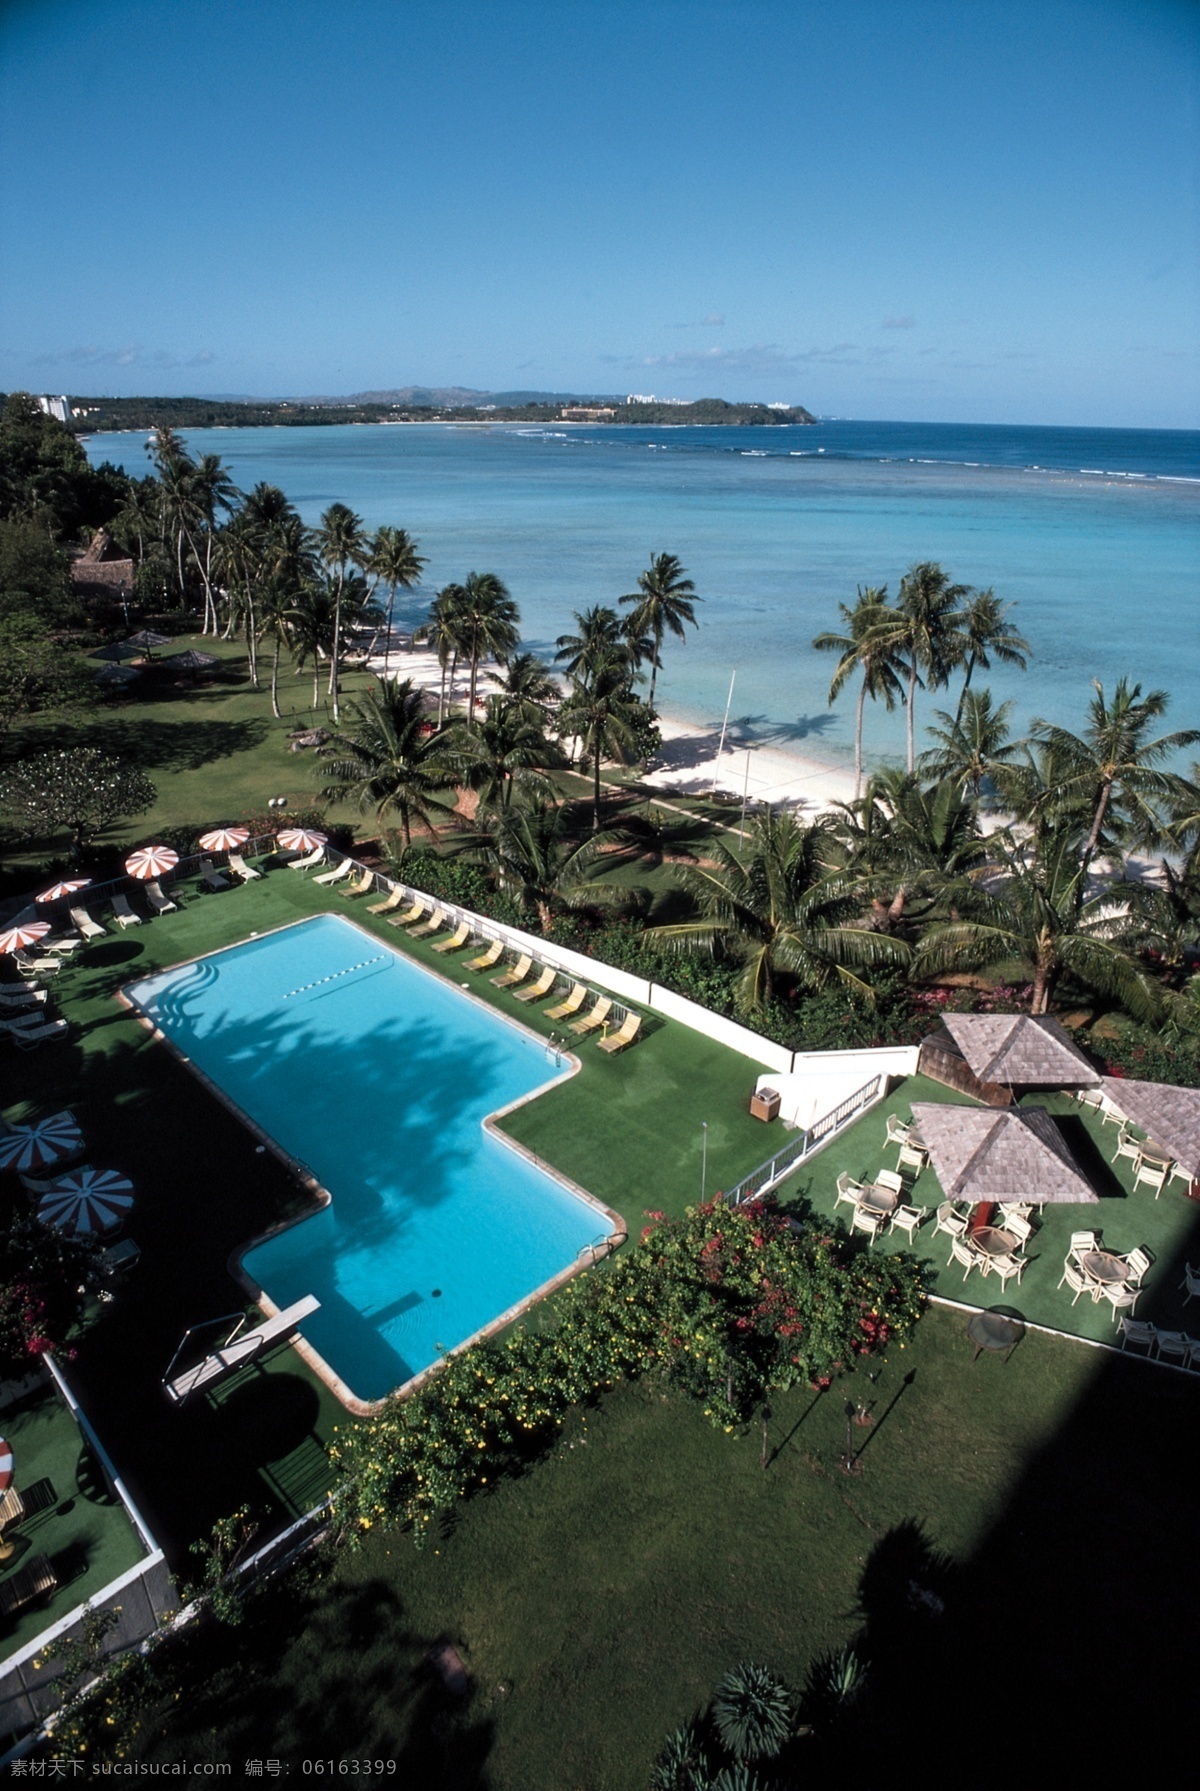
x=1018 y=1228
x=123 y=914
x=908 y=1219
x=1191 y=1280
x=1081 y=1243
x=1193 y=1360
x=914 y=1155
x=848 y=1190
x=897 y=1131
x=1089 y=1097
x=1180 y=1174
x=1014 y=1209
x=1120 y=1297
x=1127 y=1146
x=1137 y=1331
x=1079 y=1283
x=1007 y=1267
x=866 y=1222
x=1110 y=1115
x=971 y=1259
x=1172 y=1346
x=1147 y=1175
x=947 y=1220
x=888 y=1178
x=1139 y=1264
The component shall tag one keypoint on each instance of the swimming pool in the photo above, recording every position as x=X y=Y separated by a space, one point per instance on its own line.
x=376 y=1076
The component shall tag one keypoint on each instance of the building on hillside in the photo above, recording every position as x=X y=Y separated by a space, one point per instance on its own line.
x=58 y=408
x=103 y=569
x=586 y=413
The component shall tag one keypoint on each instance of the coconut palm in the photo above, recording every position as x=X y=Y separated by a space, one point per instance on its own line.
x=601 y=713
x=1115 y=767
x=866 y=649
x=506 y=747
x=310 y=629
x=973 y=746
x=489 y=621
x=598 y=635
x=782 y=909
x=393 y=561
x=535 y=855
x=923 y=628
x=239 y=565
x=388 y=763
x=530 y=686
x=342 y=543
x=212 y=489
x=984 y=631
x=912 y=842
x=443 y=631
x=665 y=601
x=1040 y=921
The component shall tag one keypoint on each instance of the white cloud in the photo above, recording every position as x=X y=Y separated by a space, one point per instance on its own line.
x=907 y=322
x=132 y=355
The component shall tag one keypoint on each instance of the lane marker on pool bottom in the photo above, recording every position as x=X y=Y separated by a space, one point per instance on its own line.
x=380 y=958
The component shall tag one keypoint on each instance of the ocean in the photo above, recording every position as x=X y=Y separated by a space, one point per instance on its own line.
x=1093 y=535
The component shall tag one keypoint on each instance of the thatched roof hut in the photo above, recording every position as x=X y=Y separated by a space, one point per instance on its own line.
x=1018 y=1153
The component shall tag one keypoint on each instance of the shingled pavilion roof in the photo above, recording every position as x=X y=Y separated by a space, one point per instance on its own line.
x=1168 y=1115
x=1010 y=1153
x=1017 y=1049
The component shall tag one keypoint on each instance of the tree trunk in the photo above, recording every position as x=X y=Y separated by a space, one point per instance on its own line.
x=387 y=651
x=858 y=733
x=596 y=794
x=275 y=683
x=962 y=695
x=442 y=696
x=912 y=697
x=251 y=638
x=1093 y=838
x=654 y=670
x=337 y=643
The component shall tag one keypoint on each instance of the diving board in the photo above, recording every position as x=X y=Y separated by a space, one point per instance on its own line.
x=237 y=1350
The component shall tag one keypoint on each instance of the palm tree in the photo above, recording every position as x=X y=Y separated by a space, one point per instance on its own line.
x=388 y=763
x=489 y=620
x=507 y=747
x=1041 y=921
x=972 y=745
x=922 y=627
x=443 y=631
x=535 y=855
x=341 y=543
x=783 y=910
x=665 y=600
x=394 y=561
x=310 y=629
x=983 y=630
x=601 y=712
x=905 y=841
x=240 y=566
x=598 y=635
x=866 y=648
x=529 y=685
x=212 y=489
x=753 y=1711
x=1114 y=766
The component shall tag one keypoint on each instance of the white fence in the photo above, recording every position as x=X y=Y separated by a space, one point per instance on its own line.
x=768 y=1175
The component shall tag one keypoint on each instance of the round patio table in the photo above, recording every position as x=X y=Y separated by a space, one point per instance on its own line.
x=992 y=1240
x=994 y=1331
x=881 y=1203
x=1102 y=1265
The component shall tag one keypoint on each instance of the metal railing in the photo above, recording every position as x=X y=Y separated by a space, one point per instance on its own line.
x=768 y=1175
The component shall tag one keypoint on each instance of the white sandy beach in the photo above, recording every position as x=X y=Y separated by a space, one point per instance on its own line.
x=689 y=763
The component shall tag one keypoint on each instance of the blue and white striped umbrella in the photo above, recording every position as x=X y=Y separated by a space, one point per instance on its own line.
x=45 y=1141
x=87 y=1201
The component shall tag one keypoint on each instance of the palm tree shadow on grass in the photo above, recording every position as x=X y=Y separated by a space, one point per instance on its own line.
x=185 y=745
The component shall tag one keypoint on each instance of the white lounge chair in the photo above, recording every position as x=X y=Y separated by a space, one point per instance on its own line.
x=14 y=999
x=238 y=1350
x=160 y=903
x=327 y=879
x=123 y=914
x=315 y=857
x=88 y=928
x=240 y=868
x=38 y=1035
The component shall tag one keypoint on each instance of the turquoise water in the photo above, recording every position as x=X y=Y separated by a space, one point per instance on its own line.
x=1093 y=534
x=377 y=1076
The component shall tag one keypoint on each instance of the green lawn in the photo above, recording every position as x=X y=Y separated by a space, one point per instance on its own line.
x=596 y=1599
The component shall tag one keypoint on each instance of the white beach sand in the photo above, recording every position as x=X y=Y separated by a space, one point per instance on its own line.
x=688 y=763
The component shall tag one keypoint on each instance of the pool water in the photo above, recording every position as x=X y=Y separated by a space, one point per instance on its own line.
x=377 y=1075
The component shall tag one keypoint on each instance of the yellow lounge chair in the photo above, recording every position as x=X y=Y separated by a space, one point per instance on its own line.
x=571 y=1005
x=406 y=920
x=434 y=924
x=364 y=886
x=591 y=1022
x=457 y=939
x=631 y=1025
x=390 y=903
x=486 y=959
x=541 y=988
x=517 y=974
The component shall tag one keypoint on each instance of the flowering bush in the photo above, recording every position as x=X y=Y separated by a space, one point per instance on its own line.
x=45 y=1279
x=726 y=1304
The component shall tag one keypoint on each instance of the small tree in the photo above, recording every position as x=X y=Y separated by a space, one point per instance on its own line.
x=83 y=790
x=35 y=674
x=45 y=1279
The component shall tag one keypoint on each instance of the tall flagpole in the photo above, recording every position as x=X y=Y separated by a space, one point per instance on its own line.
x=724 y=725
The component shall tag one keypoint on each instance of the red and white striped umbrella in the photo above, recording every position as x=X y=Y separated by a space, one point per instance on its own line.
x=89 y=1200
x=300 y=839
x=17 y=938
x=224 y=839
x=45 y=1141
x=151 y=861
x=57 y=891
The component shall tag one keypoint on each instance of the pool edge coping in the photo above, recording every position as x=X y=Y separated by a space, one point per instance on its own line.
x=618 y=1232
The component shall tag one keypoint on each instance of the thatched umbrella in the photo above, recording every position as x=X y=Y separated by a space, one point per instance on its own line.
x=985 y=1154
x=1168 y=1115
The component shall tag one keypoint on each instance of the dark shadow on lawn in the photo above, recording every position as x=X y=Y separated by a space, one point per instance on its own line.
x=183 y=745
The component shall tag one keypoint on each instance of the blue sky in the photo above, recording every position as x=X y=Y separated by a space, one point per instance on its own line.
x=985 y=212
